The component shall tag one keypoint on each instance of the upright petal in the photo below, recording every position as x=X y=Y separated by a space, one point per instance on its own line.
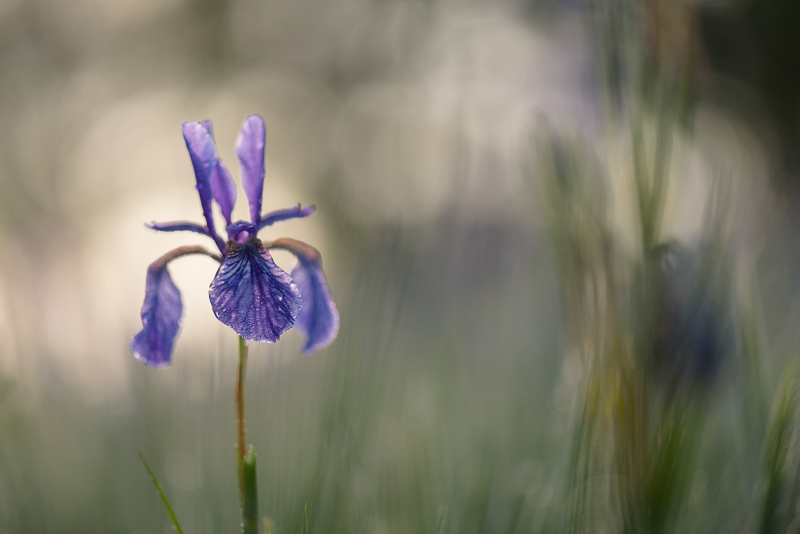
x=161 y=318
x=250 y=151
x=318 y=318
x=252 y=295
x=223 y=188
x=204 y=160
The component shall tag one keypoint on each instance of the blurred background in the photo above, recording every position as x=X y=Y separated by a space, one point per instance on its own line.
x=433 y=136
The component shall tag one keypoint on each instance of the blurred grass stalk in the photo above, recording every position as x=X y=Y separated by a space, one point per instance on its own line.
x=645 y=439
x=652 y=355
x=777 y=458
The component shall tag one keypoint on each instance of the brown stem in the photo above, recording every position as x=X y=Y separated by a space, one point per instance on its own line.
x=298 y=248
x=241 y=431
x=183 y=251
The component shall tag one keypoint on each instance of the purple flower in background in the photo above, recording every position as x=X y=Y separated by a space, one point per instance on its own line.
x=249 y=293
x=690 y=319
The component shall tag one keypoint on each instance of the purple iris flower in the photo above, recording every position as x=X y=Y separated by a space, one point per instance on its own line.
x=249 y=293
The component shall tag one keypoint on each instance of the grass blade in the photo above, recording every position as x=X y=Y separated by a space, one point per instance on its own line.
x=164 y=499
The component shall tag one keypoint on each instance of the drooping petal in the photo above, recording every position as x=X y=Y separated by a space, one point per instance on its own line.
x=318 y=318
x=204 y=160
x=223 y=188
x=161 y=318
x=252 y=295
x=250 y=151
x=161 y=311
x=276 y=216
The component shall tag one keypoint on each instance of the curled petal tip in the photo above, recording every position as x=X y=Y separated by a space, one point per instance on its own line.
x=208 y=127
x=308 y=210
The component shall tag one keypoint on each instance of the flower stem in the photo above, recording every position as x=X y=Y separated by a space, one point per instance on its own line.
x=241 y=432
x=248 y=491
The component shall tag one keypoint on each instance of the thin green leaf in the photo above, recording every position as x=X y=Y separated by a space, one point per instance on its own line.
x=305 y=519
x=175 y=524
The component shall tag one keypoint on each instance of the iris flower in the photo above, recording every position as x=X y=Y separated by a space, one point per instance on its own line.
x=692 y=317
x=249 y=293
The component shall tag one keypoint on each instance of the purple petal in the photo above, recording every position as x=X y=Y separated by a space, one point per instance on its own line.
x=178 y=226
x=250 y=151
x=161 y=318
x=204 y=160
x=252 y=295
x=185 y=226
x=223 y=188
x=318 y=318
x=281 y=215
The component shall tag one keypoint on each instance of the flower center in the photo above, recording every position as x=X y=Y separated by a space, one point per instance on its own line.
x=241 y=231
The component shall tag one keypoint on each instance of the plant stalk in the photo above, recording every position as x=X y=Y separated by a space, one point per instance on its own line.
x=246 y=459
x=241 y=431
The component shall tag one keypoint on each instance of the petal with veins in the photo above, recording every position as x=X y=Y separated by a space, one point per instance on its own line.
x=252 y=295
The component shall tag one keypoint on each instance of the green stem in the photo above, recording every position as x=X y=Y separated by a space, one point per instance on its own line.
x=241 y=431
